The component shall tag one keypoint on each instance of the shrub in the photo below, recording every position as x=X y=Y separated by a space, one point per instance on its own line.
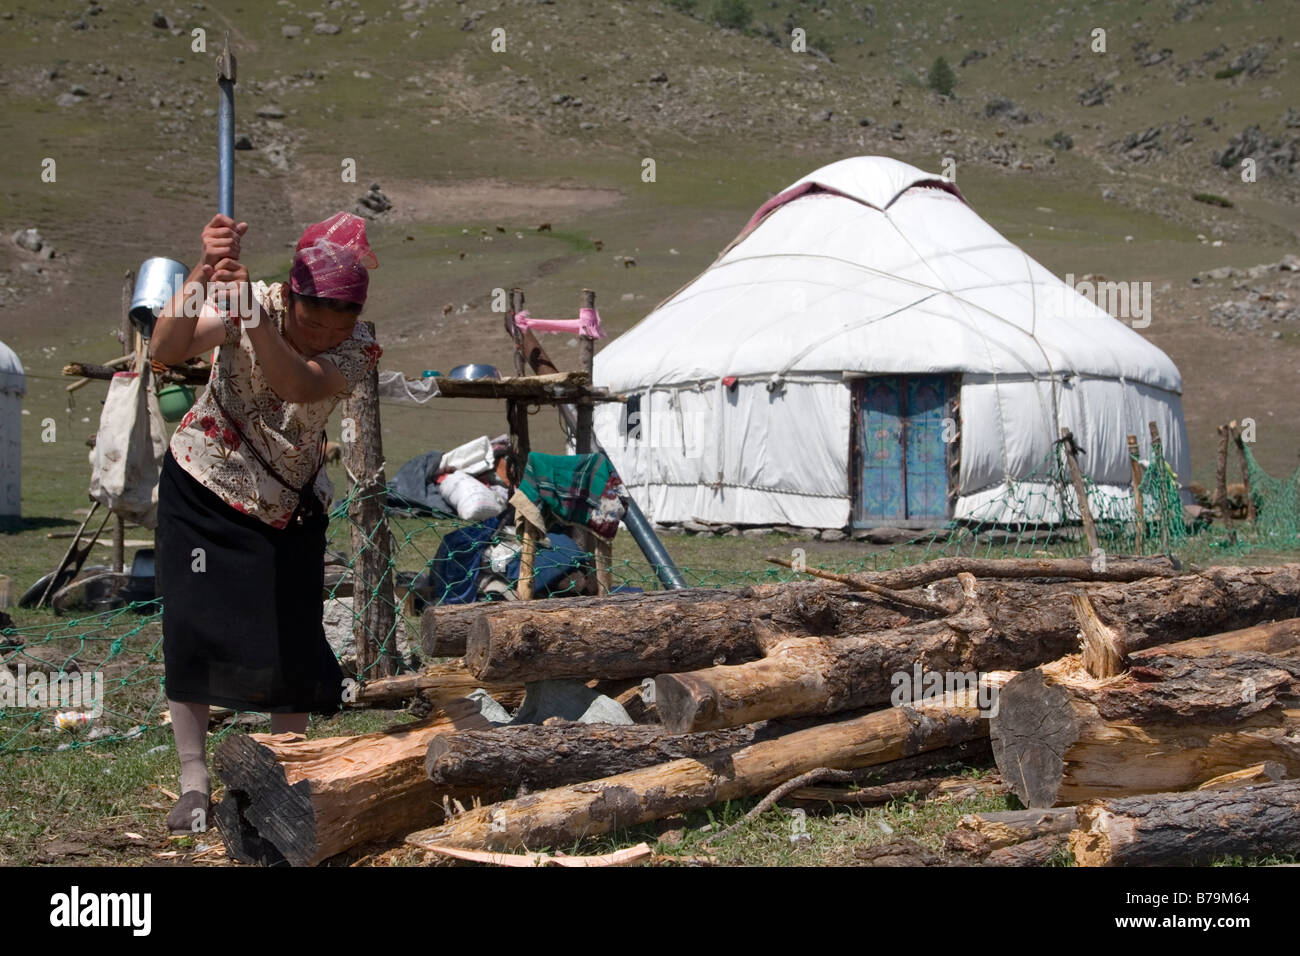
x=735 y=14
x=1212 y=200
x=1060 y=140
x=682 y=6
x=941 y=78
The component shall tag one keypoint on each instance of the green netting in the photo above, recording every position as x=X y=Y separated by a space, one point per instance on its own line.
x=1034 y=516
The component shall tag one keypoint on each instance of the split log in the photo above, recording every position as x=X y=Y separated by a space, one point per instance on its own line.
x=312 y=799
x=561 y=816
x=1270 y=771
x=1189 y=829
x=641 y=635
x=1003 y=625
x=542 y=756
x=979 y=834
x=1030 y=853
x=1173 y=721
x=439 y=683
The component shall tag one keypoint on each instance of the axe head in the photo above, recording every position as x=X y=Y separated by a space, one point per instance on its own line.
x=226 y=63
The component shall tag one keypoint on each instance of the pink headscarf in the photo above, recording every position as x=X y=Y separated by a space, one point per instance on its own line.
x=333 y=260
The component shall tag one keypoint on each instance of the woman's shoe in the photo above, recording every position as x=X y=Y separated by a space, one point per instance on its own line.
x=184 y=819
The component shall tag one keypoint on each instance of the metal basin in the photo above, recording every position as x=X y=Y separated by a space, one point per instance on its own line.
x=470 y=373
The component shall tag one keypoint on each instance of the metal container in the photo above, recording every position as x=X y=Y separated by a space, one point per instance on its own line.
x=470 y=373
x=155 y=284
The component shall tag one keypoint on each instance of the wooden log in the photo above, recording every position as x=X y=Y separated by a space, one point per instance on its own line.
x=1030 y=853
x=445 y=629
x=1003 y=625
x=979 y=834
x=439 y=683
x=540 y=757
x=1189 y=829
x=1079 y=569
x=639 y=635
x=563 y=815
x=312 y=799
x=1173 y=721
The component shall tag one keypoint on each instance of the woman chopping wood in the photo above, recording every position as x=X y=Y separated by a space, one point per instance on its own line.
x=243 y=499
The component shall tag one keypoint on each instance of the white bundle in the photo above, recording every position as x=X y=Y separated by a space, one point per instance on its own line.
x=474 y=457
x=473 y=500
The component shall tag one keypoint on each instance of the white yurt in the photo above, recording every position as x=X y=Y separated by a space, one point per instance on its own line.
x=869 y=351
x=13 y=385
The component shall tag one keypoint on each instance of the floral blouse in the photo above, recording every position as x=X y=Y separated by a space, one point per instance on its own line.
x=287 y=434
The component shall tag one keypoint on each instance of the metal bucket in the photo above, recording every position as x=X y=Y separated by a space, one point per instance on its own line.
x=155 y=284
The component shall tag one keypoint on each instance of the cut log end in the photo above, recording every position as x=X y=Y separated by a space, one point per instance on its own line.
x=1034 y=726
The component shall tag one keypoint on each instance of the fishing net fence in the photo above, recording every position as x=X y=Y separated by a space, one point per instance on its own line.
x=78 y=681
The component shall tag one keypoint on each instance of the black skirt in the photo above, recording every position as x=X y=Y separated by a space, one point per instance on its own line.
x=242 y=604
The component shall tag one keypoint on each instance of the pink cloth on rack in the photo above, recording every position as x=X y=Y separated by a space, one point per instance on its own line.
x=587 y=323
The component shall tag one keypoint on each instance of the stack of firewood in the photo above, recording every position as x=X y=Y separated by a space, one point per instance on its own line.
x=1177 y=705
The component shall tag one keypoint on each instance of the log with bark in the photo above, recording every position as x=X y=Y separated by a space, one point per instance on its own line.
x=440 y=683
x=1030 y=853
x=445 y=628
x=999 y=625
x=312 y=799
x=639 y=635
x=979 y=834
x=1189 y=829
x=542 y=756
x=1182 y=714
x=563 y=815
x=1079 y=569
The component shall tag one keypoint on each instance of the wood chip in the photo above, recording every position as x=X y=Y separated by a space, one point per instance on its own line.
x=635 y=854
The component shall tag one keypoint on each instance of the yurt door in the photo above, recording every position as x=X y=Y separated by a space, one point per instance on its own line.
x=900 y=455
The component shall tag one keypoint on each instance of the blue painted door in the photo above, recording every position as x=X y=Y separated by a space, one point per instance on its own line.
x=903 y=455
x=880 y=438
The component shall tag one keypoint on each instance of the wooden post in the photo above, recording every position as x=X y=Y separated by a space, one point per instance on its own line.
x=583 y=444
x=586 y=353
x=128 y=342
x=1158 y=462
x=516 y=305
x=517 y=409
x=1140 y=521
x=372 y=590
x=604 y=552
x=1251 y=516
x=527 y=553
x=1221 y=482
x=1080 y=489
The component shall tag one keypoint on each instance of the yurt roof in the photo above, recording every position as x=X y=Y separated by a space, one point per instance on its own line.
x=871 y=265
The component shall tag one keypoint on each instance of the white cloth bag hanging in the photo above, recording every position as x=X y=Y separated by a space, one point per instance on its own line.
x=126 y=461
